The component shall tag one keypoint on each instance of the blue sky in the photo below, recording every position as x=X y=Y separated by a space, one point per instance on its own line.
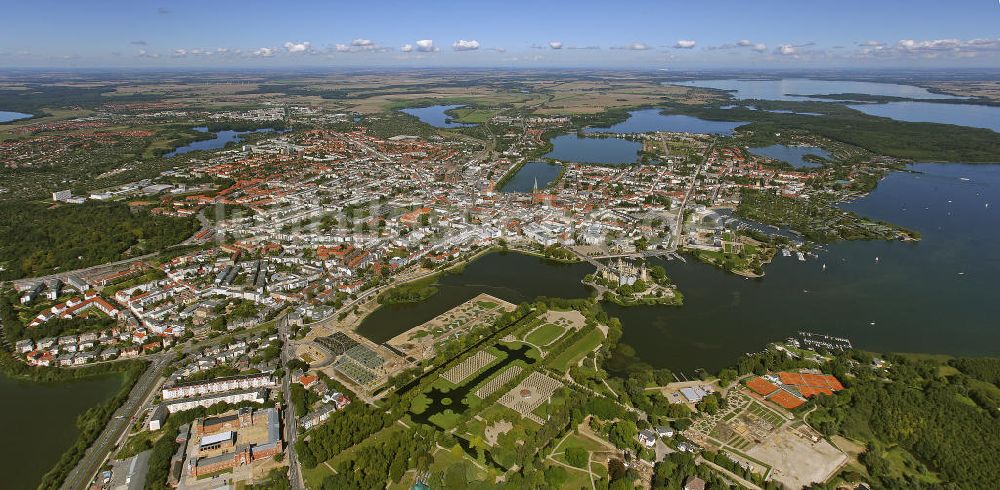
x=655 y=34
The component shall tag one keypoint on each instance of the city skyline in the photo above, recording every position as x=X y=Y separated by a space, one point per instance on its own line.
x=680 y=35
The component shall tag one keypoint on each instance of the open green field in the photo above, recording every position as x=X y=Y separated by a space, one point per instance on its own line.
x=470 y=115
x=545 y=334
x=577 y=351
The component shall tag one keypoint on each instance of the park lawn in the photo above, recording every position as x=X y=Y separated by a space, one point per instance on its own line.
x=576 y=440
x=545 y=334
x=420 y=403
x=576 y=478
x=447 y=419
x=445 y=458
x=577 y=351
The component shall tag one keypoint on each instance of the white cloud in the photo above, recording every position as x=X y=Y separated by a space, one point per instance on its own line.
x=759 y=47
x=744 y=43
x=785 y=50
x=342 y=48
x=180 y=53
x=142 y=53
x=463 y=45
x=555 y=44
x=426 y=45
x=872 y=44
x=934 y=48
x=361 y=43
x=684 y=44
x=297 y=47
x=406 y=48
x=638 y=46
x=264 y=52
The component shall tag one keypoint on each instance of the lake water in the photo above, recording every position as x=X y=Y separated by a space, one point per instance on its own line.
x=938 y=295
x=435 y=115
x=39 y=423
x=795 y=88
x=221 y=139
x=792 y=154
x=792 y=89
x=7 y=116
x=531 y=173
x=509 y=276
x=776 y=111
x=646 y=120
x=605 y=150
x=976 y=116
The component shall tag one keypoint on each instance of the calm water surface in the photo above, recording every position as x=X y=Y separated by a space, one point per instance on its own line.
x=435 y=116
x=39 y=423
x=583 y=149
x=795 y=88
x=647 y=120
x=531 y=173
x=7 y=116
x=938 y=295
x=221 y=139
x=792 y=154
x=976 y=116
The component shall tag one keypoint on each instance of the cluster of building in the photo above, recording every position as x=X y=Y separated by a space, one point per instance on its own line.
x=233 y=439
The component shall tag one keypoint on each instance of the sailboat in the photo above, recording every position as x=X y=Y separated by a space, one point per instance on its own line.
x=876 y=259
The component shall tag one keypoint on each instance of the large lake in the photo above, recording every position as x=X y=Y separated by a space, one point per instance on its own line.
x=7 y=116
x=646 y=120
x=610 y=150
x=797 y=88
x=938 y=295
x=530 y=174
x=221 y=139
x=605 y=150
x=976 y=116
x=39 y=423
x=435 y=116
x=794 y=89
x=792 y=154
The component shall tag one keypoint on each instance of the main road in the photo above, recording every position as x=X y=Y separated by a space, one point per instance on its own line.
x=84 y=472
x=291 y=427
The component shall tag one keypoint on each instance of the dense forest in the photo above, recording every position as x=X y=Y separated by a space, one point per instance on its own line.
x=36 y=239
x=928 y=424
x=884 y=136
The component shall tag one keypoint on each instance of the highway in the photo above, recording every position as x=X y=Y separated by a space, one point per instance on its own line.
x=123 y=418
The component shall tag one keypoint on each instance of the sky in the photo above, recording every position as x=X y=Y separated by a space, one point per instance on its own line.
x=509 y=33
